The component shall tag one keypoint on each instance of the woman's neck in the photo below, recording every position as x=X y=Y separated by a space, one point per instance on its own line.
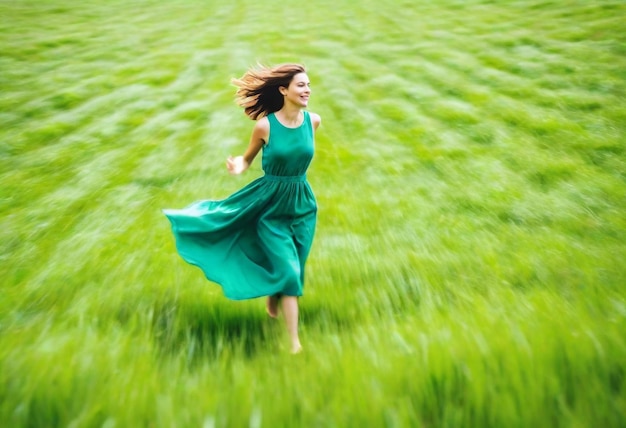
x=290 y=116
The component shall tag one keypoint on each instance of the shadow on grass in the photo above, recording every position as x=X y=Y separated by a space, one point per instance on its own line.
x=201 y=331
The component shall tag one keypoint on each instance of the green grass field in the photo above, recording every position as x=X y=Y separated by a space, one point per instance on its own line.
x=469 y=268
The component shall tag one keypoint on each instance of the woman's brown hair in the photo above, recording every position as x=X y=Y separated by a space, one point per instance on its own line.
x=258 y=90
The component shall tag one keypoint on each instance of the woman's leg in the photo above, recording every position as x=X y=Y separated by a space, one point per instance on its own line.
x=272 y=305
x=290 y=309
x=283 y=253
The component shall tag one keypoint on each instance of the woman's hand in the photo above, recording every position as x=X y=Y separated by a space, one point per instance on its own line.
x=236 y=165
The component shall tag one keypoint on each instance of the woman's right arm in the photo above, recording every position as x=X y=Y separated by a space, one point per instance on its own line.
x=260 y=135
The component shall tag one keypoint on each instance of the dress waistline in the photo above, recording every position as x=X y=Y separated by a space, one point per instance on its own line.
x=286 y=178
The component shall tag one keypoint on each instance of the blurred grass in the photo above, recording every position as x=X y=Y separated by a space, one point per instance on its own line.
x=469 y=264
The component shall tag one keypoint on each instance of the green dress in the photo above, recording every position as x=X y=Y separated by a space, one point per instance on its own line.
x=255 y=242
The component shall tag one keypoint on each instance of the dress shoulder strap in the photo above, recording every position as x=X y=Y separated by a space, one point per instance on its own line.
x=272 y=117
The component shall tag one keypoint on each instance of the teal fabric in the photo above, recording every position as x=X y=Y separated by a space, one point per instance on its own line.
x=255 y=242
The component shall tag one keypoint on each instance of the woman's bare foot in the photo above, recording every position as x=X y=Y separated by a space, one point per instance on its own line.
x=271 y=305
x=296 y=349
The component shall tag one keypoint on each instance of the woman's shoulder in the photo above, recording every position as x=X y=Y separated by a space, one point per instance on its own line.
x=316 y=119
x=262 y=128
x=262 y=124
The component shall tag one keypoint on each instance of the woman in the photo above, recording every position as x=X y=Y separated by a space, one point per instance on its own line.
x=255 y=242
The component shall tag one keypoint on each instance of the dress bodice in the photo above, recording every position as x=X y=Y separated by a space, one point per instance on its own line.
x=288 y=151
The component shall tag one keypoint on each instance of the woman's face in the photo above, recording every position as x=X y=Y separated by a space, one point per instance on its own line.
x=298 y=91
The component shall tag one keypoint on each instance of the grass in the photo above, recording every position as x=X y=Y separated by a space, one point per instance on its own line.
x=468 y=268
